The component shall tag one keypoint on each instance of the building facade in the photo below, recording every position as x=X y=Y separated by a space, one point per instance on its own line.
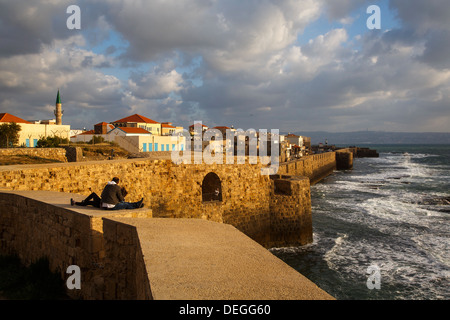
x=30 y=133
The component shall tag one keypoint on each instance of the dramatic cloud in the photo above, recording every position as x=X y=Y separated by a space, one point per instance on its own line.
x=230 y=62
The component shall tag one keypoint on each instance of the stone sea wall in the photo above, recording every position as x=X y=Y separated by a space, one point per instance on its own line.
x=315 y=167
x=272 y=210
x=125 y=275
x=58 y=154
x=170 y=190
x=290 y=194
x=34 y=229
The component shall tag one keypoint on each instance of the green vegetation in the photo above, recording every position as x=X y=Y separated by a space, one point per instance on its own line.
x=96 y=140
x=51 y=142
x=9 y=134
x=35 y=282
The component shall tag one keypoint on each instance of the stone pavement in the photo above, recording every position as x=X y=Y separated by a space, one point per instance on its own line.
x=204 y=260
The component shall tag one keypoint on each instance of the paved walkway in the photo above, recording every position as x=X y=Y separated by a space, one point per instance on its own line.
x=203 y=260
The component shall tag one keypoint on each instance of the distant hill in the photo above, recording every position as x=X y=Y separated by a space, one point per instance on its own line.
x=377 y=137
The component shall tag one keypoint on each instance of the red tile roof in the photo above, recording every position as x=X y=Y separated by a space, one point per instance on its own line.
x=221 y=127
x=88 y=132
x=134 y=130
x=165 y=125
x=136 y=118
x=6 y=117
x=101 y=124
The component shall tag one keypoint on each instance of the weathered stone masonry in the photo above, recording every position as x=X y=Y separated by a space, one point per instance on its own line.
x=274 y=211
x=175 y=191
x=57 y=154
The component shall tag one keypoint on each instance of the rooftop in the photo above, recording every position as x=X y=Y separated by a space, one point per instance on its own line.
x=133 y=130
x=136 y=118
x=6 y=117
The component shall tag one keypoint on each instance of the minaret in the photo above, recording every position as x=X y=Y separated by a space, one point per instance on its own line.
x=58 y=112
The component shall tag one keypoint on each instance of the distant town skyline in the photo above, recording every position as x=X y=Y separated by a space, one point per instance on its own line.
x=292 y=65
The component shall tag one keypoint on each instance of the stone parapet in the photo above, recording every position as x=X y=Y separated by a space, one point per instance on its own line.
x=344 y=159
x=57 y=154
x=134 y=258
x=36 y=224
x=315 y=167
x=290 y=208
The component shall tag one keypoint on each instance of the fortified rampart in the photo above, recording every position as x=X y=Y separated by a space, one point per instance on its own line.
x=273 y=211
x=57 y=154
x=248 y=199
x=36 y=224
x=122 y=256
x=315 y=167
x=170 y=190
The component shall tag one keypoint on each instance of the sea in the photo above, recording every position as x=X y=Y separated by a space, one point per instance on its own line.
x=381 y=230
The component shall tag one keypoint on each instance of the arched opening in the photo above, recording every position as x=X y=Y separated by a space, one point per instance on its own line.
x=211 y=188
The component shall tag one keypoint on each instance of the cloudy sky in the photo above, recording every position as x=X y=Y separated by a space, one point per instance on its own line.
x=293 y=65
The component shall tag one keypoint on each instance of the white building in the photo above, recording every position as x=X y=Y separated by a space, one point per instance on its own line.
x=30 y=133
x=133 y=139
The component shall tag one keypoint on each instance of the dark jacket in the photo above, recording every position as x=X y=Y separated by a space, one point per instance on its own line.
x=112 y=194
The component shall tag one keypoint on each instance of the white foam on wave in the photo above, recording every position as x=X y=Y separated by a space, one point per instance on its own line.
x=436 y=246
x=333 y=255
x=417 y=254
x=403 y=266
x=387 y=214
x=294 y=250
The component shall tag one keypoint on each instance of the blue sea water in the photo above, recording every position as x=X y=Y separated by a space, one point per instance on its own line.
x=391 y=212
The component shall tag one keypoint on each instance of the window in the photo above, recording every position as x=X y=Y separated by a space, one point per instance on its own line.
x=162 y=147
x=156 y=147
x=167 y=147
x=150 y=147
x=144 y=147
x=211 y=188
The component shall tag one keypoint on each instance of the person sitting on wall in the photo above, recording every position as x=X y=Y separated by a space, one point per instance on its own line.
x=94 y=200
x=113 y=198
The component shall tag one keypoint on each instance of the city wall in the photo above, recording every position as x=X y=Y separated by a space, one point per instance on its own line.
x=170 y=190
x=36 y=224
x=58 y=154
x=315 y=167
x=122 y=256
x=248 y=199
x=273 y=211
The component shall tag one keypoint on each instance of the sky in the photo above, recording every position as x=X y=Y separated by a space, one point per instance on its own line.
x=292 y=65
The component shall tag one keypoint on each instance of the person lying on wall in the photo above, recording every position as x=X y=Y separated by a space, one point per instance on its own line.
x=112 y=198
